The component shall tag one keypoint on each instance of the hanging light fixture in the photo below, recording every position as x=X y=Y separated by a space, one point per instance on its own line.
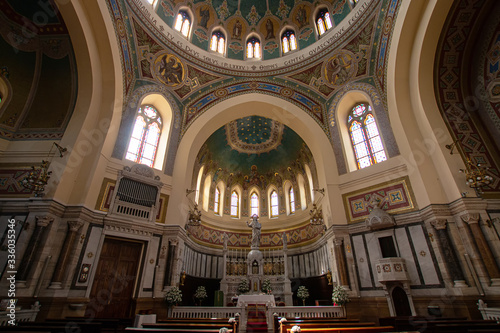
x=476 y=176
x=316 y=213
x=38 y=177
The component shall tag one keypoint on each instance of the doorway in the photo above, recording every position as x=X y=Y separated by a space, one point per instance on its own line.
x=115 y=279
x=400 y=301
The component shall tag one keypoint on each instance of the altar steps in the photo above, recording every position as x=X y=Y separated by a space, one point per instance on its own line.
x=257 y=320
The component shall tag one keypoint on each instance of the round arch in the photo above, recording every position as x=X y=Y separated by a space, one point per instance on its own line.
x=100 y=87
x=243 y=106
x=423 y=133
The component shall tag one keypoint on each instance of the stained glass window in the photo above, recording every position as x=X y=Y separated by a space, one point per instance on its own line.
x=218 y=42
x=323 y=21
x=235 y=201
x=292 y=200
x=182 y=23
x=216 y=201
x=145 y=136
x=254 y=204
x=288 y=41
x=274 y=204
x=365 y=136
x=253 y=48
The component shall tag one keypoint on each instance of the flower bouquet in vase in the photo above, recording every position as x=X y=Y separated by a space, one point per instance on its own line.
x=339 y=296
x=200 y=294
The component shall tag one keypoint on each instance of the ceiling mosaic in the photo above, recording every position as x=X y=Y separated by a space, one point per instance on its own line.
x=259 y=141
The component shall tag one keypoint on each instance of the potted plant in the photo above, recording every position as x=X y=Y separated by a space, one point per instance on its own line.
x=339 y=296
x=244 y=286
x=200 y=294
x=266 y=286
x=303 y=293
x=173 y=296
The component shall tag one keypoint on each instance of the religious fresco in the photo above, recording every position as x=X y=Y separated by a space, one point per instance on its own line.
x=395 y=196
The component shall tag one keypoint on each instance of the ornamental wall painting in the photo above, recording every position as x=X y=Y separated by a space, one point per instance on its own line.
x=168 y=69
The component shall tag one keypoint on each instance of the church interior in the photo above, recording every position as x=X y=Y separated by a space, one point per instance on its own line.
x=155 y=145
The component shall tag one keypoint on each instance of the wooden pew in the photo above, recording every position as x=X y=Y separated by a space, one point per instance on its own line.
x=370 y=329
x=107 y=324
x=302 y=320
x=200 y=326
x=286 y=326
x=66 y=326
x=179 y=330
x=436 y=326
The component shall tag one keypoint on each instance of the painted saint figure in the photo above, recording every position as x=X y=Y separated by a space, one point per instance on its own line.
x=256 y=226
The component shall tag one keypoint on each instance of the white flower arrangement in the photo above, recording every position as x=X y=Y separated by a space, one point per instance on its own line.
x=232 y=320
x=237 y=314
x=224 y=330
x=295 y=329
x=282 y=320
x=200 y=293
x=339 y=295
x=244 y=286
x=266 y=286
x=303 y=293
x=173 y=296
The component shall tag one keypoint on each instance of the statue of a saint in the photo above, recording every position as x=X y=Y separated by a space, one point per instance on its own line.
x=256 y=226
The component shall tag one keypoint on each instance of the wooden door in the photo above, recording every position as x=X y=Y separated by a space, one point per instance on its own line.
x=115 y=278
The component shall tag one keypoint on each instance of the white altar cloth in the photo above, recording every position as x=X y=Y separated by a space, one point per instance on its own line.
x=244 y=300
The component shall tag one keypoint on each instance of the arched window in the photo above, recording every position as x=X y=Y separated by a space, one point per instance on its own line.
x=145 y=135
x=254 y=204
x=353 y=2
x=183 y=23
x=291 y=200
x=288 y=41
x=253 y=48
x=218 y=42
x=235 y=203
x=274 y=204
x=217 y=201
x=365 y=136
x=153 y=2
x=323 y=21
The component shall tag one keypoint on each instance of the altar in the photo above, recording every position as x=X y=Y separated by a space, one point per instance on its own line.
x=244 y=300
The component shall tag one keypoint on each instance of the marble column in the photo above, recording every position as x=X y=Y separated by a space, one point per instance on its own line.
x=33 y=248
x=65 y=254
x=341 y=261
x=169 y=267
x=488 y=259
x=449 y=255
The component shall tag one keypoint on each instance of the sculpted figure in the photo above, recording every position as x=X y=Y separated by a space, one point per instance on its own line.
x=256 y=226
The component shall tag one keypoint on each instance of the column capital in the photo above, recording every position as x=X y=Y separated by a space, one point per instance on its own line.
x=338 y=241
x=173 y=241
x=43 y=221
x=470 y=218
x=439 y=224
x=74 y=226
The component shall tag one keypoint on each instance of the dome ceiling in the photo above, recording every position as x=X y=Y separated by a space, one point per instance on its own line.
x=265 y=20
x=253 y=143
